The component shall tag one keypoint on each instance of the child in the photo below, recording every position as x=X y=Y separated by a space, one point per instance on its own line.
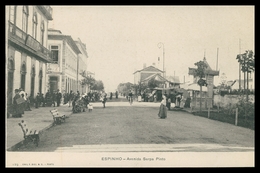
x=90 y=107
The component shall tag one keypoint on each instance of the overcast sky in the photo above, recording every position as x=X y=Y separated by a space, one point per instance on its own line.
x=120 y=39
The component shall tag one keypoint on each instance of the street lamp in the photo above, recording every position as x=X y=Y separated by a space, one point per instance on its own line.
x=159 y=46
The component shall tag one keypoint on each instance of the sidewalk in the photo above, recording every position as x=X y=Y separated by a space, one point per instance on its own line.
x=38 y=119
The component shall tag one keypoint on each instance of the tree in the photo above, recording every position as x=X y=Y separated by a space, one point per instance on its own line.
x=140 y=87
x=247 y=62
x=98 y=85
x=124 y=87
x=200 y=73
x=153 y=83
x=87 y=80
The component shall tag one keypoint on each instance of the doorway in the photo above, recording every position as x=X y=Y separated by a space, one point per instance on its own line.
x=53 y=83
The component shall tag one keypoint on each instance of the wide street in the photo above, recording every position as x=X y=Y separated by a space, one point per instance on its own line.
x=124 y=127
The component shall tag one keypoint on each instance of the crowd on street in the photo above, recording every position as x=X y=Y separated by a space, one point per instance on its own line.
x=21 y=102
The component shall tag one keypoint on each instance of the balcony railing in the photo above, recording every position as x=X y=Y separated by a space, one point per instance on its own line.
x=27 y=40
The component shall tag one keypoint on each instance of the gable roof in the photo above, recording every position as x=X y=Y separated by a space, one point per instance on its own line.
x=156 y=76
x=150 y=69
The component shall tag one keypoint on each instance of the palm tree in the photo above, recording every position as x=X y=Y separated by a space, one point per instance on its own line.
x=247 y=62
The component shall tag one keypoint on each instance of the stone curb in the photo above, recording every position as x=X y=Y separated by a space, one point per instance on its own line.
x=19 y=144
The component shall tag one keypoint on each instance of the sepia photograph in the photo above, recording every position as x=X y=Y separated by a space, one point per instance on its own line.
x=129 y=86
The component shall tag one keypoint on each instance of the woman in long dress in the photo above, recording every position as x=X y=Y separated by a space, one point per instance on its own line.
x=163 y=109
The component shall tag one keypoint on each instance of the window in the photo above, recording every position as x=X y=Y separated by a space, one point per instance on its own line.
x=40 y=81
x=25 y=19
x=55 y=53
x=32 y=81
x=34 y=29
x=23 y=73
x=42 y=32
x=12 y=17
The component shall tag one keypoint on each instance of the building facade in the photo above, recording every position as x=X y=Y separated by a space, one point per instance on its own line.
x=63 y=72
x=147 y=73
x=82 y=66
x=27 y=54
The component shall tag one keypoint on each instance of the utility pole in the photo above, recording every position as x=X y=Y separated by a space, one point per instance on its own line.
x=240 y=65
x=217 y=61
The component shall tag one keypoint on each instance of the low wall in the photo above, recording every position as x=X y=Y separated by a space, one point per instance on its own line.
x=223 y=101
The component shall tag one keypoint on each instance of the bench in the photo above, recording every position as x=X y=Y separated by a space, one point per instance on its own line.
x=57 y=117
x=29 y=135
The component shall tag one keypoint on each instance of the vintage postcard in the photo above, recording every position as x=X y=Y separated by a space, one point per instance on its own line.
x=130 y=86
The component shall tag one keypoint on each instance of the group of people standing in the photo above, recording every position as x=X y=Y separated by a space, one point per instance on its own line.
x=21 y=102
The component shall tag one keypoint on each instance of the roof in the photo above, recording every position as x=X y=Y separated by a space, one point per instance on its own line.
x=208 y=69
x=157 y=77
x=242 y=80
x=82 y=45
x=173 y=79
x=230 y=83
x=69 y=40
x=149 y=68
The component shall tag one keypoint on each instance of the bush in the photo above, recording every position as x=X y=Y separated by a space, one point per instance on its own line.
x=245 y=109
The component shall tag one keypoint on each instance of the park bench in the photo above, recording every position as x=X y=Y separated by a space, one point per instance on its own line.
x=57 y=117
x=29 y=135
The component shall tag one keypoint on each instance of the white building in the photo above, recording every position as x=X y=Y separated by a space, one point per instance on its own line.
x=82 y=66
x=26 y=48
x=63 y=71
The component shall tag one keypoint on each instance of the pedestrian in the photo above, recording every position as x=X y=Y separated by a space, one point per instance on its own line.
x=168 y=104
x=78 y=94
x=54 y=98
x=17 y=105
x=71 y=95
x=28 y=108
x=37 y=100
x=163 y=109
x=90 y=107
x=116 y=95
x=155 y=98
x=22 y=93
x=41 y=100
x=58 y=97
x=111 y=94
x=104 y=101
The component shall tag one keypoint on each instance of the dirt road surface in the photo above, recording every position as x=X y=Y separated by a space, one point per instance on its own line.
x=121 y=127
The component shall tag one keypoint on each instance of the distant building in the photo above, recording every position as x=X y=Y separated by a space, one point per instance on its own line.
x=82 y=65
x=63 y=71
x=148 y=73
x=27 y=51
x=173 y=81
x=251 y=85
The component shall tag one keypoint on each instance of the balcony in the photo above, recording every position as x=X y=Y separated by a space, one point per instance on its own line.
x=19 y=38
x=46 y=10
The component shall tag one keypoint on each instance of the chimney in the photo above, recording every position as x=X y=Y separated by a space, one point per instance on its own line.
x=144 y=65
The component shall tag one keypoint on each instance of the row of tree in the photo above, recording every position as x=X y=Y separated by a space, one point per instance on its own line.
x=138 y=88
